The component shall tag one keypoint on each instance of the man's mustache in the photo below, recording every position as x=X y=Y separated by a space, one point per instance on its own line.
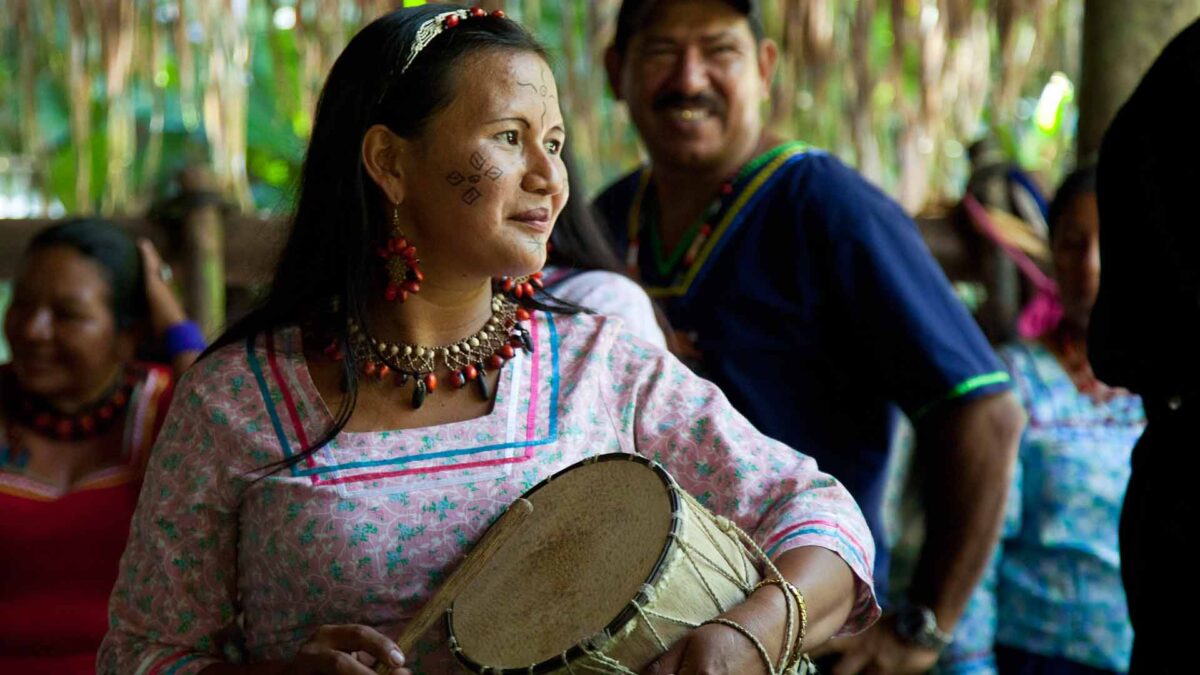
x=706 y=102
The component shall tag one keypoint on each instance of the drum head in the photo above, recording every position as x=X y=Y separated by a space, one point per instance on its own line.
x=597 y=533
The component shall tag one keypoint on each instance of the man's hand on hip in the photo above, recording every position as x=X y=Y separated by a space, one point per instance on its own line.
x=879 y=650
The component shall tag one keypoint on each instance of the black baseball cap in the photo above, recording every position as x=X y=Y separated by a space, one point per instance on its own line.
x=633 y=14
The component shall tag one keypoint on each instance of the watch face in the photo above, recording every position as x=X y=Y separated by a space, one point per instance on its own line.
x=919 y=626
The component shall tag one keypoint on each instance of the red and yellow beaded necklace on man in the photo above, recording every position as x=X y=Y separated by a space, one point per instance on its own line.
x=643 y=219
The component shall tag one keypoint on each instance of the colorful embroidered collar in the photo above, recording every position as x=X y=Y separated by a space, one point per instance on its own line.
x=683 y=265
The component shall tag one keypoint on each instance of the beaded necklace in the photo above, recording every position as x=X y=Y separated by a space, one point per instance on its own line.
x=89 y=422
x=466 y=359
x=698 y=234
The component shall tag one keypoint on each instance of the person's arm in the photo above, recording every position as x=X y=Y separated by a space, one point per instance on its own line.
x=968 y=453
x=973 y=650
x=924 y=351
x=827 y=585
x=802 y=519
x=170 y=323
x=264 y=668
x=968 y=458
x=174 y=602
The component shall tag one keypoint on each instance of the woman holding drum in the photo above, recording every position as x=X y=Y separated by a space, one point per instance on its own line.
x=329 y=462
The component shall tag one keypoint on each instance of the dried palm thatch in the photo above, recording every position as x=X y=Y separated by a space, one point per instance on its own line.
x=921 y=77
x=117 y=21
x=225 y=94
x=896 y=87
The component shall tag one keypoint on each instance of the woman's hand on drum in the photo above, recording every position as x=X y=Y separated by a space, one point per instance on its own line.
x=719 y=649
x=712 y=649
x=347 y=650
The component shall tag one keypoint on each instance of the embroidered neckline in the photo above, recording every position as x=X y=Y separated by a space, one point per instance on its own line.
x=698 y=243
x=703 y=225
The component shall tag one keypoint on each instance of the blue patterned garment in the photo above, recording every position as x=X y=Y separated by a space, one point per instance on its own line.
x=1054 y=586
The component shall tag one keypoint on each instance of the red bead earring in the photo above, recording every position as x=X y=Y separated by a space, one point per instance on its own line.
x=401 y=262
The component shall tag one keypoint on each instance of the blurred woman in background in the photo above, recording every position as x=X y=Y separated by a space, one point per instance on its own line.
x=79 y=416
x=1052 y=601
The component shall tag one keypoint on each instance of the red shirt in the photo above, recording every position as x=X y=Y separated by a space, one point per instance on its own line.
x=61 y=551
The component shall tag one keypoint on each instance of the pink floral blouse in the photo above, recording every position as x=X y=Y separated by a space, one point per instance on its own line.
x=219 y=567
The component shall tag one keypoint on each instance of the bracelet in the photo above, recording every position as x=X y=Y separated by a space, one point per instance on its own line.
x=799 y=644
x=785 y=651
x=792 y=655
x=762 y=651
x=184 y=336
x=773 y=581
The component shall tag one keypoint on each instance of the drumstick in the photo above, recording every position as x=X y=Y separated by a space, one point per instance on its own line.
x=475 y=561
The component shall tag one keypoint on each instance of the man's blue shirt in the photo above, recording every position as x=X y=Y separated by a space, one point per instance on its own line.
x=817 y=309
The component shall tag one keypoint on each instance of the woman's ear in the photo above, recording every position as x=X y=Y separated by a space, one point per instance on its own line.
x=381 y=151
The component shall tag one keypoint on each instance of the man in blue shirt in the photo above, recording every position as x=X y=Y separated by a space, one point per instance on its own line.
x=811 y=300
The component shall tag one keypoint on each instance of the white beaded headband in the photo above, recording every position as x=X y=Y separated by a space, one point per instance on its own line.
x=440 y=24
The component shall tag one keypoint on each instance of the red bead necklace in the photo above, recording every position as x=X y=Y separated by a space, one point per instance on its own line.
x=464 y=361
x=701 y=236
x=89 y=422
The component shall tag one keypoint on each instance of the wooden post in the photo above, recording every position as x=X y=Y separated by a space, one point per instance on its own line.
x=202 y=237
x=1121 y=38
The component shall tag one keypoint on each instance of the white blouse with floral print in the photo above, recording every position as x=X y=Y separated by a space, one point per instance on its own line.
x=220 y=567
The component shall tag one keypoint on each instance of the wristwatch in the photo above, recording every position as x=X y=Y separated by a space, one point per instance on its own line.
x=918 y=625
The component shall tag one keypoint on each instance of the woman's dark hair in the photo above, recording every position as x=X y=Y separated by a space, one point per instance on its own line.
x=580 y=239
x=1080 y=182
x=110 y=247
x=328 y=268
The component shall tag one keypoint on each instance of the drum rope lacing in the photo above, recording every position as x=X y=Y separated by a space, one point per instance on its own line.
x=792 y=660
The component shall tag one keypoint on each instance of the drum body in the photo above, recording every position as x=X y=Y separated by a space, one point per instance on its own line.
x=615 y=564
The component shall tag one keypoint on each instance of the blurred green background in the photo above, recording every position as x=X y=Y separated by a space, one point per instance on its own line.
x=101 y=102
